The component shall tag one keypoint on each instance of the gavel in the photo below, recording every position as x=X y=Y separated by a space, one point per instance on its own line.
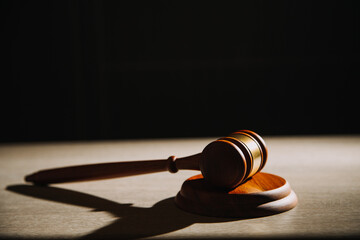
x=226 y=162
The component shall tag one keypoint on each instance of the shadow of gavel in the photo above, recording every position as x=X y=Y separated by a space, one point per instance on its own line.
x=226 y=162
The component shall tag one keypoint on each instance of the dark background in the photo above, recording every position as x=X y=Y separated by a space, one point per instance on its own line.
x=85 y=70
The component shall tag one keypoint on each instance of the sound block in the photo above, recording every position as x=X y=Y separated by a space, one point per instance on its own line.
x=262 y=195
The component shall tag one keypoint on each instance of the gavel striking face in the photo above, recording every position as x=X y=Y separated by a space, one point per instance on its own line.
x=226 y=162
x=229 y=161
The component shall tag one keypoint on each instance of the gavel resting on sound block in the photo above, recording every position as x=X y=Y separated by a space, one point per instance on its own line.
x=231 y=184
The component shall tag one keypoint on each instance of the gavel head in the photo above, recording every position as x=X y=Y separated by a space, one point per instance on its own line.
x=230 y=161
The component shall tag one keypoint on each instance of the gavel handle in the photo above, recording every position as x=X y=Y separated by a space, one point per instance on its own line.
x=112 y=170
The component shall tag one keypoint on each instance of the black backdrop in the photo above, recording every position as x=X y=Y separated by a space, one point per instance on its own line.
x=82 y=70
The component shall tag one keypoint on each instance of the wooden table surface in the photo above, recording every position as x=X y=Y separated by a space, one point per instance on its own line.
x=324 y=171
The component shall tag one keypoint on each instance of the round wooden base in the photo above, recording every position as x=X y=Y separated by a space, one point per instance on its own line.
x=262 y=195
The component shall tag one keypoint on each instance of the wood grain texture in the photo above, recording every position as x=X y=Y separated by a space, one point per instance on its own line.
x=322 y=170
x=262 y=195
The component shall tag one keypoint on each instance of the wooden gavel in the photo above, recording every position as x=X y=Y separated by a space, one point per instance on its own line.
x=226 y=162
